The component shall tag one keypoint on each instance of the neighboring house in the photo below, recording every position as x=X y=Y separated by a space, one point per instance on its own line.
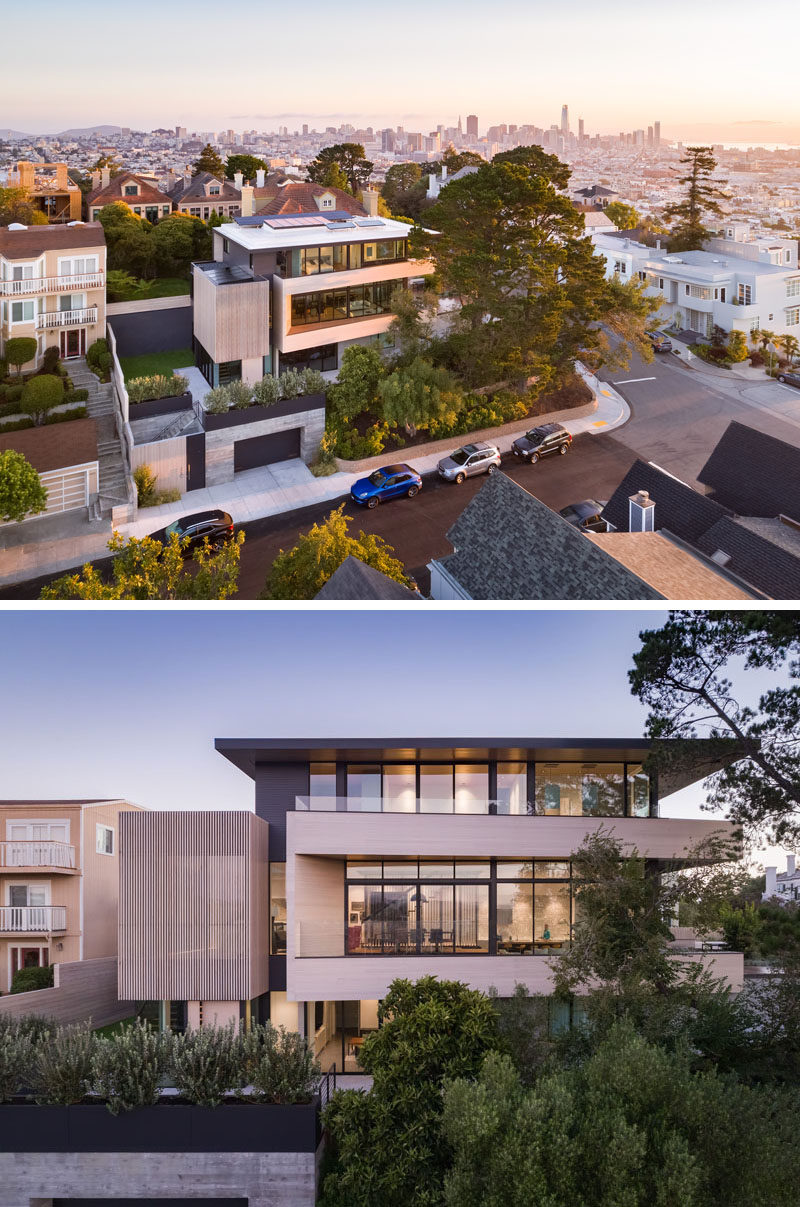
x=735 y=284
x=66 y=458
x=201 y=195
x=747 y=528
x=278 y=194
x=50 y=189
x=597 y=195
x=53 y=286
x=59 y=878
x=437 y=183
x=782 y=888
x=295 y=291
x=144 y=198
x=355 y=580
x=597 y=222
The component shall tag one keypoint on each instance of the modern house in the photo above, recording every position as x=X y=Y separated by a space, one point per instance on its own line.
x=59 y=873
x=53 y=285
x=371 y=859
x=140 y=194
x=49 y=187
x=296 y=290
x=738 y=283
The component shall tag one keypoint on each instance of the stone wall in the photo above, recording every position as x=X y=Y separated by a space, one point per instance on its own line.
x=219 y=444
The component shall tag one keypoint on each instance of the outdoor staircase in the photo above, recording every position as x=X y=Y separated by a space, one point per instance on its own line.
x=101 y=406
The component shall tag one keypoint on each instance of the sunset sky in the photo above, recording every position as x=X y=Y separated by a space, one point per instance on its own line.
x=256 y=63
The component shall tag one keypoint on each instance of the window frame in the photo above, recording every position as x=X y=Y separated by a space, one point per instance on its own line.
x=102 y=830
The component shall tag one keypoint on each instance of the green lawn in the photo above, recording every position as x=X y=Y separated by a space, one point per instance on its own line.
x=156 y=362
x=161 y=287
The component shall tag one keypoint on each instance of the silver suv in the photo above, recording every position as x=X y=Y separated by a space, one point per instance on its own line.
x=472 y=459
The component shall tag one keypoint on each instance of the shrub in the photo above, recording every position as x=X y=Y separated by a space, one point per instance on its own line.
x=207 y=1063
x=240 y=394
x=20 y=350
x=159 y=385
x=8 y=408
x=218 y=400
x=66 y=416
x=312 y=382
x=15 y=1059
x=81 y=395
x=267 y=391
x=16 y=425
x=280 y=1066
x=51 y=360
x=357 y=385
x=127 y=1068
x=95 y=351
x=62 y=1066
x=756 y=360
x=27 y=979
x=145 y=481
x=11 y=393
x=737 y=347
x=40 y=395
x=291 y=383
x=350 y=445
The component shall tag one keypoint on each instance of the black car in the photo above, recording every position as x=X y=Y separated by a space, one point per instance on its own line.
x=216 y=525
x=585 y=515
x=790 y=379
x=541 y=442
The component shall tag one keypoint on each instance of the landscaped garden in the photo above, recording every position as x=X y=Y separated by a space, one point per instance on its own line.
x=42 y=396
x=124 y=287
x=153 y=364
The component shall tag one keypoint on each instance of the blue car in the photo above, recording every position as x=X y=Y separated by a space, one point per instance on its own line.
x=389 y=482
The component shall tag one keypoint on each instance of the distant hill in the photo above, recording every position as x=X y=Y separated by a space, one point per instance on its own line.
x=10 y=135
x=76 y=133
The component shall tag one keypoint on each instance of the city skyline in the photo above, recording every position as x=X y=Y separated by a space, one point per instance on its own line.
x=484 y=71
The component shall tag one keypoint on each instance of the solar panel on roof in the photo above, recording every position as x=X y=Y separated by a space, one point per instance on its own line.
x=256 y=220
x=369 y=221
x=280 y=222
x=341 y=226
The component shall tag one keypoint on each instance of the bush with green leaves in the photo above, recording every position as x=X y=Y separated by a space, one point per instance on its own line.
x=312 y=382
x=280 y=1065
x=208 y=1063
x=25 y=980
x=51 y=360
x=127 y=1068
x=80 y=395
x=20 y=350
x=267 y=391
x=158 y=385
x=240 y=394
x=356 y=388
x=15 y=1059
x=40 y=395
x=21 y=490
x=218 y=400
x=66 y=416
x=98 y=357
x=145 y=482
x=61 y=1070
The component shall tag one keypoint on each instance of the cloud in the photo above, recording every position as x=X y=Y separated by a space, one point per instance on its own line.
x=757 y=121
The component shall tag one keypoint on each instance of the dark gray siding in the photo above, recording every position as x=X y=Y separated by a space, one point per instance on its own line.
x=277 y=784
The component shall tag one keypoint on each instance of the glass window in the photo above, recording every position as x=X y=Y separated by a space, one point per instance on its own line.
x=436 y=869
x=472 y=788
x=436 y=788
x=384 y=250
x=356 y=258
x=638 y=791
x=339 y=257
x=515 y=919
x=551 y=869
x=309 y=261
x=400 y=789
x=326 y=310
x=551 y=916
x=514 y=869
x=22 y=312
x=326 y=259
x=298 y=310
x=363 y=788
x=104 y=840
x=399 y=910
x=601 y=790
x=472 y=919
x=400 y=871
x=357 y=300
x=512 y=788
x=322 y=785
x=368 y=253
x=361 y=870
x=579 y=789
x=363 y=919
x=470 y=870
x=277 y=908
x=435 y=912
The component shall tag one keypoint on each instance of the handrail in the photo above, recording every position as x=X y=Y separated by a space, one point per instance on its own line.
x=32 y=919
x=85 y=280
x=36 y=852
x=66 y=318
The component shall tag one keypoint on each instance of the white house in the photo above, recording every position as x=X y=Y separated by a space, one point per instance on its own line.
x=782 y=887
x=437 y=183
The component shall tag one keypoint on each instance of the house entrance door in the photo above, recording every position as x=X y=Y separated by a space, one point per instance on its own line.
x=73 y=343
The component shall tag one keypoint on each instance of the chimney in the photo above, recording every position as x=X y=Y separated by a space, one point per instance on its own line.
x=105 y=177
x=658 y=245
x=260 y=177
x=771 y=886
x=95 y=179
x=444 y=172
x=247 y=207
x=641 y=512
x=238 y=180
x=370 y=199
x=187 y=178
x=790 y=865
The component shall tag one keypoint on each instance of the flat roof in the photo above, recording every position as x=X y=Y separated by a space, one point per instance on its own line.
x=311 y=230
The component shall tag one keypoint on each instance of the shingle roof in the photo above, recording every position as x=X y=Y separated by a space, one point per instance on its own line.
x=20 y=244
x=113 y=192
x=196 y=189
x=753 y=473
x=298 y=197
x=355 y=580
x=682 y=510
x=509 y=545
x=760 y=561
x=676 y=571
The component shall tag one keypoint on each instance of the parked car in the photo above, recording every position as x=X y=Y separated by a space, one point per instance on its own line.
x=660 y=341
x=388 y=482
x=216 y=525
x=790 y=379
x=480 y=458
x=541 y=442
x=585 y=515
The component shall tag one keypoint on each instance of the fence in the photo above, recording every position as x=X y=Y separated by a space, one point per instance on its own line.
x=82 y=989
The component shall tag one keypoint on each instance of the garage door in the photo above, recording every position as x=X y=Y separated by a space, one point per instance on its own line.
x=265 y=450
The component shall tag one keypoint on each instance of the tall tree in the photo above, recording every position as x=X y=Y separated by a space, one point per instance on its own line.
x=625 y=217
x=702 y=198
x=248 y=165
x=682 y=673
x=209 y=160
x=16 y=206
x=403 y=187
x=349 y=158
x=21 y=490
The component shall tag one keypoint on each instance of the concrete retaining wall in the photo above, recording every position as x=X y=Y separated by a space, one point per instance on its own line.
x=167 y=460
x=82 y=989
x=219 y=444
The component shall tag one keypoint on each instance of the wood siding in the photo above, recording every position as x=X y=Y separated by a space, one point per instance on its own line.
x=189 y=892
x=85 y=989
x=315 y=907
x=231 y=321
x=167 y=460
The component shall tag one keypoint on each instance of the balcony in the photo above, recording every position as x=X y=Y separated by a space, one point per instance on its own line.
x=37 y=854
x=32 y=919
x=467 y=805
x=66 y=318
x=36 y=285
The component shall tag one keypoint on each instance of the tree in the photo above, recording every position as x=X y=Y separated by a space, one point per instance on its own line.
x=414 y=396
x=40 y=395
x=791 y=346
x=702 y=198
x=737 y=346
x=387 y=1145
x=412 y=325
x=248 y=165
x=349 y=158
x=681 y=672
x=147 y=570
x=20 y=350
x=107 y=161
x=356 y=389
x=633 y=1124
x=209 y=160
x=301 y=572
x=21 y=490
x=16 y=205
x=403 y=187
x=624 y=217
x=177 y=240
x=534 y=158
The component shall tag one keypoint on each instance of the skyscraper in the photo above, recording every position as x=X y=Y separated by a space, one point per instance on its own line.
x=657 y=134
x=472 y=125
x=580 y=129
x=565 y=120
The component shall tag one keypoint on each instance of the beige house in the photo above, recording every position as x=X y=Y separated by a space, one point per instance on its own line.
x=59 y=881
x=53 y=286
x=50 y=189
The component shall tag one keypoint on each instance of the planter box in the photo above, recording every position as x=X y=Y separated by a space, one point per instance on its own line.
x=168 y=1127
x=255 y=414
x=160 y=406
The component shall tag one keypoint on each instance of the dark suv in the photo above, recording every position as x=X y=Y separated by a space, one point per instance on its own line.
x=790 y=378
x=216 y=525
x=541 y=442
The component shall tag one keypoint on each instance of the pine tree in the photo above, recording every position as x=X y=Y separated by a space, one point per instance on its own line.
x=702 y=198
x=209 y=160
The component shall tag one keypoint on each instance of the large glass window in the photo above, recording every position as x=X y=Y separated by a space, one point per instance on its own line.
x=472 y=919
x=322 y=785
x=436 y=788
x=512 y=788
x=638 y=791
x=399 y=789
x=364 y=789
x=277 y=908
x=515 y=918
x=472 y=787
x=579 y=789
x=551 y=916
x=359 y=301
x=435 y=911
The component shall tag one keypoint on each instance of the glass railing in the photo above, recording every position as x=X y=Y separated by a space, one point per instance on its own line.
x=461 y=805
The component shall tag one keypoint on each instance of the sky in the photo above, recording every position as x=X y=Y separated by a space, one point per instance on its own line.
x=127 y=703
x=266 y=63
